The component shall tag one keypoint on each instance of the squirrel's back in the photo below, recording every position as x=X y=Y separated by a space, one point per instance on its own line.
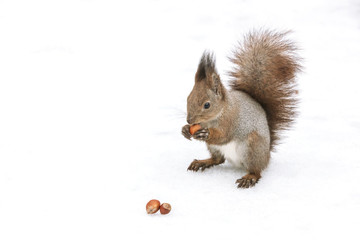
x=265 y=67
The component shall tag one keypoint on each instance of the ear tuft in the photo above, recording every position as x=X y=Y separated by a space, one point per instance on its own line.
x=206 y=66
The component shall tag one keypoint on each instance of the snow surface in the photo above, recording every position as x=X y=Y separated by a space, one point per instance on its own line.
x=93 y=98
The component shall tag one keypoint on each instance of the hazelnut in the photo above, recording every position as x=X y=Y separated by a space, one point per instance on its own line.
x=152 y=206
x=194 y=128
x=165 y=208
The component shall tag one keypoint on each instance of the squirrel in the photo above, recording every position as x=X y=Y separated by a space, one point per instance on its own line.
x=243 y=124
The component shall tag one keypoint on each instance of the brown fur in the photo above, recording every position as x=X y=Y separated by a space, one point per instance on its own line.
x=217 y=136
x=258 y=159
x=265 y=68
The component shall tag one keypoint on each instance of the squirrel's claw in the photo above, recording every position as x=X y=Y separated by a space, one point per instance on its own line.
x=247 y=181
x=202 y=134
x=198 y=164
x=186 y=132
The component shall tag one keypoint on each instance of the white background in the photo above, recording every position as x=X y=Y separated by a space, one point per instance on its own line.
x=93 y=98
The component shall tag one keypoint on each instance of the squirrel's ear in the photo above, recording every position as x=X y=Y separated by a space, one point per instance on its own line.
x=215 y=84
x=200 y=74
x=206 y=66
x=207 y=72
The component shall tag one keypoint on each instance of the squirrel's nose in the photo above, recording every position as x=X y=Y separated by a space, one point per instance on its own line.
x=188 y=120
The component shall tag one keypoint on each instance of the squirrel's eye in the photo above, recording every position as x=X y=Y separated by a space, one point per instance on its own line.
x=206 y=105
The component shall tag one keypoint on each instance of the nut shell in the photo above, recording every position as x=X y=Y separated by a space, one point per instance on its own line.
x=165 y=208
x=194 y=128
x=152 y=206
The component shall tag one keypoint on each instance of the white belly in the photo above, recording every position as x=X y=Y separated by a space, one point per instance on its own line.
x=234 y=152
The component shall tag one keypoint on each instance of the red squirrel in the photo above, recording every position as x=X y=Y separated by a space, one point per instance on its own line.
x=243 y=124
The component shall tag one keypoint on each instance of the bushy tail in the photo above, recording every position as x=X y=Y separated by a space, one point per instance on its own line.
x=265 y=67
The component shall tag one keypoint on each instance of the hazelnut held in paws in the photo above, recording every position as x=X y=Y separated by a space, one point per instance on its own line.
x=194 y=128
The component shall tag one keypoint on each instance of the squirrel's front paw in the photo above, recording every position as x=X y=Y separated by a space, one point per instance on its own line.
x=198 y=164
x=202 y=134
x=186 y=131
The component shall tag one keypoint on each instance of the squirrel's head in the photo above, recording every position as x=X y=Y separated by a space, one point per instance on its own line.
x=207 y=98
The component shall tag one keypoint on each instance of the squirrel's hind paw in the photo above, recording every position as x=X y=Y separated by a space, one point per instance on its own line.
x=249 y=180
